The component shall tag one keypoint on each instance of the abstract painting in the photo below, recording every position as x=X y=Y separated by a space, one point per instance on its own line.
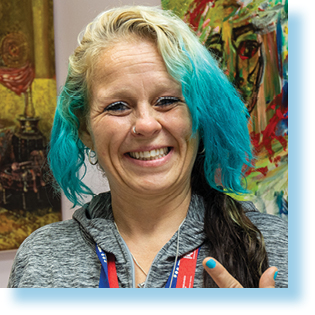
x=249 y=40
x=27 y=102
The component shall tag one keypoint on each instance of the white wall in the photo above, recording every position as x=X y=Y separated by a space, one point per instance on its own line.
x=70 y=18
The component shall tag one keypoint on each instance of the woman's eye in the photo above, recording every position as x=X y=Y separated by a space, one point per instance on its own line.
x=165 y=101
x=116 y=107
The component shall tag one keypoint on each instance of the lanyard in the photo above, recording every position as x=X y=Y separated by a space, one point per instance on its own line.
x=184 y=273
x=108 y=278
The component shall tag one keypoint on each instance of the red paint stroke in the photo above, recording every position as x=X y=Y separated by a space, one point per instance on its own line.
x=196 y=13
x=262 y=170
x=255 y=140
x=269 y=134
x=17 y=80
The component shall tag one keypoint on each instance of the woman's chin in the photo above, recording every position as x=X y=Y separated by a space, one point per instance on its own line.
x=152 y=187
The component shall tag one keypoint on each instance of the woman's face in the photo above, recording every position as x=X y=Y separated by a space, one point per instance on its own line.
x=132 y=88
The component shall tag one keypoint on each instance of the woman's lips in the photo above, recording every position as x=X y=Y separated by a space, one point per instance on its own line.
x=149 y=155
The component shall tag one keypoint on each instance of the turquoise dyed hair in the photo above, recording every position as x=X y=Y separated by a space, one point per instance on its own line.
x=67 y=153
x=221 y=119
x=218 y=114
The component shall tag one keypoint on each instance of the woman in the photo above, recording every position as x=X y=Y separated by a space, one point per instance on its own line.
x=154 y=112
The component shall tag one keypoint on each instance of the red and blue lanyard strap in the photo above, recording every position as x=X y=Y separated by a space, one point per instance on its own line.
x=108 y=278
x=182 y=277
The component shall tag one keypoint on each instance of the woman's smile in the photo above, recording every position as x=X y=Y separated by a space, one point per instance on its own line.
x=150 y=155
x=151 y=161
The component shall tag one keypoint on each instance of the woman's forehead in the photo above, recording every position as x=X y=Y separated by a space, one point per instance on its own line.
x=113 y=53
x=131 y=60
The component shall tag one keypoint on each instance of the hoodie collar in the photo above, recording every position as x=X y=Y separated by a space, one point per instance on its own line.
x=97 y=224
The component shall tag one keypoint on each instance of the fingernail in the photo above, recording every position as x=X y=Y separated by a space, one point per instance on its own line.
x=275 y=275
x=210 y=263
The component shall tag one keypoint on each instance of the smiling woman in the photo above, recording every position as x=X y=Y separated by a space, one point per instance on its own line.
x=134 y=91
x=170 y=133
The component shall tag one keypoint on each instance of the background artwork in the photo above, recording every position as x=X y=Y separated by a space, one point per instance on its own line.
x=27 y=102
x=249 y=39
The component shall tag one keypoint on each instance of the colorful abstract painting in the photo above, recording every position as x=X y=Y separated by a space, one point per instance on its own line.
x=27 y=102
x=249 y=39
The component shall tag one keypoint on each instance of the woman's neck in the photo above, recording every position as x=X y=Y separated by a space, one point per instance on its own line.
x=150 y=216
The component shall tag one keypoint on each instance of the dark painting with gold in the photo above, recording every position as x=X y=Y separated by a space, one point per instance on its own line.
x=27 y=104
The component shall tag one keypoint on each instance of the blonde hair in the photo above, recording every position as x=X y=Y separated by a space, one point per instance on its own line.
x=165 y=29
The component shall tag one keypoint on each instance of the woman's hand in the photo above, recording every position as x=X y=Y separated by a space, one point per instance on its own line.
x=224 y=280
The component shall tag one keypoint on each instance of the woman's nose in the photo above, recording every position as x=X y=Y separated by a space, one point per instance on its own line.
x=146 y=122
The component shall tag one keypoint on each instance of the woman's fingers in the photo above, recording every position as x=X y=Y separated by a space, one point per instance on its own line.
x=267 y=279
x=219 y=274
x=224 y=280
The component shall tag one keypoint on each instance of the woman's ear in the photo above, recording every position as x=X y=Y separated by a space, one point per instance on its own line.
x=85 y=135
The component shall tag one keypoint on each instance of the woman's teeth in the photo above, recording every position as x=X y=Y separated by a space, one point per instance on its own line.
x=149 y=155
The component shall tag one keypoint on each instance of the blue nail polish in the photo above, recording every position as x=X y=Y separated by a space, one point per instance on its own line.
x=275 y=275
x=210 y=263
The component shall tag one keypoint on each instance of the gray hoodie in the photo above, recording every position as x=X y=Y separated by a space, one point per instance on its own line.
x=62 y=254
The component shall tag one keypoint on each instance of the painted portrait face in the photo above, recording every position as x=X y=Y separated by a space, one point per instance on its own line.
x=237 y=47
x=225 y=27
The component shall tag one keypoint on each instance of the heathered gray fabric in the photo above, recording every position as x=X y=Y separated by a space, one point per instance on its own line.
x=62 y=254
